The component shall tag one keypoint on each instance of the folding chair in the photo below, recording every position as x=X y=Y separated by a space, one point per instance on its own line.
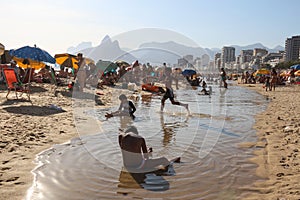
x=13 y=83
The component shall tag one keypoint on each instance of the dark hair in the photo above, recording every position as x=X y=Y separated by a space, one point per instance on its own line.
x=26 y=61
x=122 y=96
x=131 y=129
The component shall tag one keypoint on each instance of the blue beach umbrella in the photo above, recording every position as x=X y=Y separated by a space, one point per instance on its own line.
x=33 y=53
x=189 y=72
x=297 y=67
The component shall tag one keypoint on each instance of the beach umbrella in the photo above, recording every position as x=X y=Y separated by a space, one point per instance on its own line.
x=66 y=60
x=106 y=66
x=89 y=61
x=188 y=72
x=297 y=73
x=297 y=67
x=285 y=73
x=31 y=57
x=2 y=48
x=28 y=63
x=262 y=71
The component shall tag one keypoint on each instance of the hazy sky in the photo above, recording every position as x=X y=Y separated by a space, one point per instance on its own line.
x=56 y=25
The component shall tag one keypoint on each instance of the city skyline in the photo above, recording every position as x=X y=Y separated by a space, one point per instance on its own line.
x=58 y=25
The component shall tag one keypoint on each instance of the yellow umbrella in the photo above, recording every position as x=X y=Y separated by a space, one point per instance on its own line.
x=284 y=73
x=2 y=48
x=297 y=73
x=261 y=72
x=89 y=60
x=28 y=63
x=66 y=60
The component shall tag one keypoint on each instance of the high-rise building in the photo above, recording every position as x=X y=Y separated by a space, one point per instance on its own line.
x=217 y=60
x=258 y=52
x=189 y=58
x=228 y=55
x=246 y=56
x=292 y=46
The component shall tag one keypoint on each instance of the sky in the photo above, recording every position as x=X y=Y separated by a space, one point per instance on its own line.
x=57 y=25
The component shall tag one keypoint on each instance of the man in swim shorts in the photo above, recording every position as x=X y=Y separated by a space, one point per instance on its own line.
x=135 y=154
x=169 y=91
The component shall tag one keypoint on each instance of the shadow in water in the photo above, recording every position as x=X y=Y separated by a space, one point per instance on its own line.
x=153 y=181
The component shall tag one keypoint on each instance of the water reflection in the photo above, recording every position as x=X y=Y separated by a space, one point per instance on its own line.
x=125 y=121
x=169 y=129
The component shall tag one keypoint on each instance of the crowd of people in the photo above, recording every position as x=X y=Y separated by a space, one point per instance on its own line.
x=271 y=79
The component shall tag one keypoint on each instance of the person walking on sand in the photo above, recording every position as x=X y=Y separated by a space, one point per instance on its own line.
x=126 y=108
x=136 y=156
x=223 y=77
x=273 y=80
x=81 y=73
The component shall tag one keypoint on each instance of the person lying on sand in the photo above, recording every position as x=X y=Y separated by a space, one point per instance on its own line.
x=136 y=155
x=126 y=108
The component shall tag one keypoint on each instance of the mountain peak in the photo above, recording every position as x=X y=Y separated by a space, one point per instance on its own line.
x=106 y=39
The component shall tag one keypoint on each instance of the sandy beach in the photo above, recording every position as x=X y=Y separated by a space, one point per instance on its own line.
x=28 y=129
x=278 y=131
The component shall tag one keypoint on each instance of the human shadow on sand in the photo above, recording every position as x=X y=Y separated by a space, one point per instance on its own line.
x=37 y=89
x=33 y=110
x=15 y=101
x=77 y=95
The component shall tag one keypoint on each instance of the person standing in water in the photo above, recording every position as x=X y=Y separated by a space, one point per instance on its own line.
x=223 y=77
x=169 y=91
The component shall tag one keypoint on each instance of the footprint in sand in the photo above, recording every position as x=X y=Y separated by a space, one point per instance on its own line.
x=4 y=162
x=12 y=179
x=19 y=183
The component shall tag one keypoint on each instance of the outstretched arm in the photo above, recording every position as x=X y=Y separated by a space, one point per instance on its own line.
x=118 y=111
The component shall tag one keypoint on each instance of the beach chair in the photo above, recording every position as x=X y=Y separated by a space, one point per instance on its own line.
x=13 y=83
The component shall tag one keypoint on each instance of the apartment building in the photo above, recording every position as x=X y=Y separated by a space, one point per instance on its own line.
x=292 y=46
x=227 y=55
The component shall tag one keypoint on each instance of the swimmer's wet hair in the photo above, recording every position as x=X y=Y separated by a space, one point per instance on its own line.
x=122 y=96
x=132 y=129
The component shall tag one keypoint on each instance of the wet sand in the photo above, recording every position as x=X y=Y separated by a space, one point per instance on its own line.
x=27 y=130
x=278 y=131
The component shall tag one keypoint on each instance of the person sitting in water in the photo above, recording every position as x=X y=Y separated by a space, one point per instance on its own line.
x=204 y=90
x=126 y=108
x=136 y=155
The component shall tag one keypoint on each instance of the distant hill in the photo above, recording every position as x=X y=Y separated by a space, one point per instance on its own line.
x=153 y=52
x=79 y=47
x=168 y=52
x=107 y=50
